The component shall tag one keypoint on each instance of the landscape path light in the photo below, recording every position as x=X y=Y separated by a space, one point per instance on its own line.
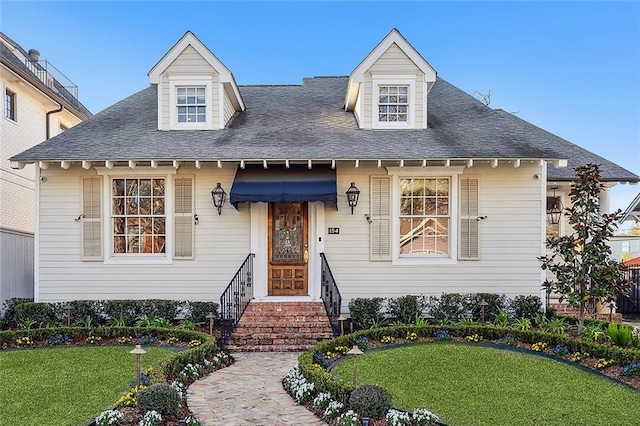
x=483 y=307
x=612 y=306
x=355 y=352
x=210 y=317
x=67 y=309
x=342 y=319
x=138 y=352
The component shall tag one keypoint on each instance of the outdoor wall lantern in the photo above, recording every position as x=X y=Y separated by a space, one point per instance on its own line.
x=219 y=196
x=554 y=212
x=138 y=352
x=352 y=196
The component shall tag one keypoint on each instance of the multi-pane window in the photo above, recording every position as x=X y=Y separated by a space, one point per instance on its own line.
x=393 y=103
x=424 y=216
x=192 y=105
x=138 y=215
x=10 y=105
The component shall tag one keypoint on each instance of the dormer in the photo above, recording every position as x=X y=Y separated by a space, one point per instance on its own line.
x=389 y=89
x=196 y=91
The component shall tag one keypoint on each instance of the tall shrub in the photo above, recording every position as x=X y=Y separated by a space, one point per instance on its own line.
x=366 y=311
x=405 y=308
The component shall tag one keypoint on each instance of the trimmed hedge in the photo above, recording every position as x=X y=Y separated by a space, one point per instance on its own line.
x=101 y=312
x=366 y=312
x=341 y=391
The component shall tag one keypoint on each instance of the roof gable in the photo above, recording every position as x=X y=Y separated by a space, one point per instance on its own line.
x=394 y=37
x=189 y=39
x=393 y=41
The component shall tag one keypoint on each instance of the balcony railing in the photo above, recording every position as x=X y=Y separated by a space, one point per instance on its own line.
x=54 y=80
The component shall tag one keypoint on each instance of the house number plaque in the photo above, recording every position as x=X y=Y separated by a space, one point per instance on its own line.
x=334 y=231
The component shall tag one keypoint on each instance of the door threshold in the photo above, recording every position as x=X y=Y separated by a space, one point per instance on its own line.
x=286 y=299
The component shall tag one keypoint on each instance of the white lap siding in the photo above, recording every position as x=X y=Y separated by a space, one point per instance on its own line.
x=221 y=244
x=510 y=241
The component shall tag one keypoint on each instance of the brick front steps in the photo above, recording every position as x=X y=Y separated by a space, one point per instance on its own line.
x=280 y=327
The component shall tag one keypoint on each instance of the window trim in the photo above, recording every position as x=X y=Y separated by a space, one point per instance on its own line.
x=11 y=113
x=393 y=80
x=110 y=258
x=451 y=173
x=176 y=82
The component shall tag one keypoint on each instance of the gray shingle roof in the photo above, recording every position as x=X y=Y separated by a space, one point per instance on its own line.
x=308 y=122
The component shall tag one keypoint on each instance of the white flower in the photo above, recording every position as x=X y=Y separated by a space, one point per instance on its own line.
x=322 y=400
x=333 y=410
x=422 y=416
x=397 y=418
x=151 y=418
x=109 y=418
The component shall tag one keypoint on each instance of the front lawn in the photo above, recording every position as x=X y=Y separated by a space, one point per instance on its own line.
x=474 y=385
x=66 y=385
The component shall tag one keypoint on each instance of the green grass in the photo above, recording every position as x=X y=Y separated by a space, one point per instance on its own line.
x=66 y=385
x=476 y=385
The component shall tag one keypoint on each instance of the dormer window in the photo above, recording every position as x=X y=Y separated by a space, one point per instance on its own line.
x=191 y=104
x=393 y=103
x=395 y=100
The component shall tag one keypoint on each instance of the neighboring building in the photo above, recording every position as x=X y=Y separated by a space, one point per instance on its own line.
x=39 y=102
x=452 y=194
x=626 y=244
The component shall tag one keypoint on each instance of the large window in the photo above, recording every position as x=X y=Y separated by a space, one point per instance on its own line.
x=191 y=104
x=393 y=103
x=10 y=105
x=138 y=215
x=424 y=216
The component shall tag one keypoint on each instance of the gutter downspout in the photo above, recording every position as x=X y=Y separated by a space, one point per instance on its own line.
x=48 y=126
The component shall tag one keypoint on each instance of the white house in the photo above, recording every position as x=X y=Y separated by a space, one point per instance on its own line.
x=39 y=102
x=451 y=194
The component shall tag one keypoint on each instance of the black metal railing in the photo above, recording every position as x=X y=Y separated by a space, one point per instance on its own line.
x=630 y=305
x=235 y=298
x=54 y=79
x=330 y=296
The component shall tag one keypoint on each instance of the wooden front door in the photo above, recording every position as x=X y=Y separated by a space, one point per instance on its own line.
x=288 y=249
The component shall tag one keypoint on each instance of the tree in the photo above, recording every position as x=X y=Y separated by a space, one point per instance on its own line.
x=581 y=262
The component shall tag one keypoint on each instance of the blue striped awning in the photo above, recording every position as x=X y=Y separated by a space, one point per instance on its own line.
x=296 y=184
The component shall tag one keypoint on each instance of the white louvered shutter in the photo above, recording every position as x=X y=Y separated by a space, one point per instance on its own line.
x=183 y=226
x=92 y=218
x=380 y=227
x=468 y=243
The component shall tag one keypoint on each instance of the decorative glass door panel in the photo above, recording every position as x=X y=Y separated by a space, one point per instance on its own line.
x=288 y=249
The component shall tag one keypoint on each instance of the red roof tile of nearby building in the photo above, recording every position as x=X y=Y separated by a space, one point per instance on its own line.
x=633 y=262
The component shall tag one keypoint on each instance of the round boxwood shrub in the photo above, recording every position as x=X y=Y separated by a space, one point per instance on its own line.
x=159 y=397
x=370 y=401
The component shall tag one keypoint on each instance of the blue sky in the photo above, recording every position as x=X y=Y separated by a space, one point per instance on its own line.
x=572 y=68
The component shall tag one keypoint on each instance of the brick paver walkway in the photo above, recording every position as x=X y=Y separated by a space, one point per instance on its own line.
x=249 y=393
